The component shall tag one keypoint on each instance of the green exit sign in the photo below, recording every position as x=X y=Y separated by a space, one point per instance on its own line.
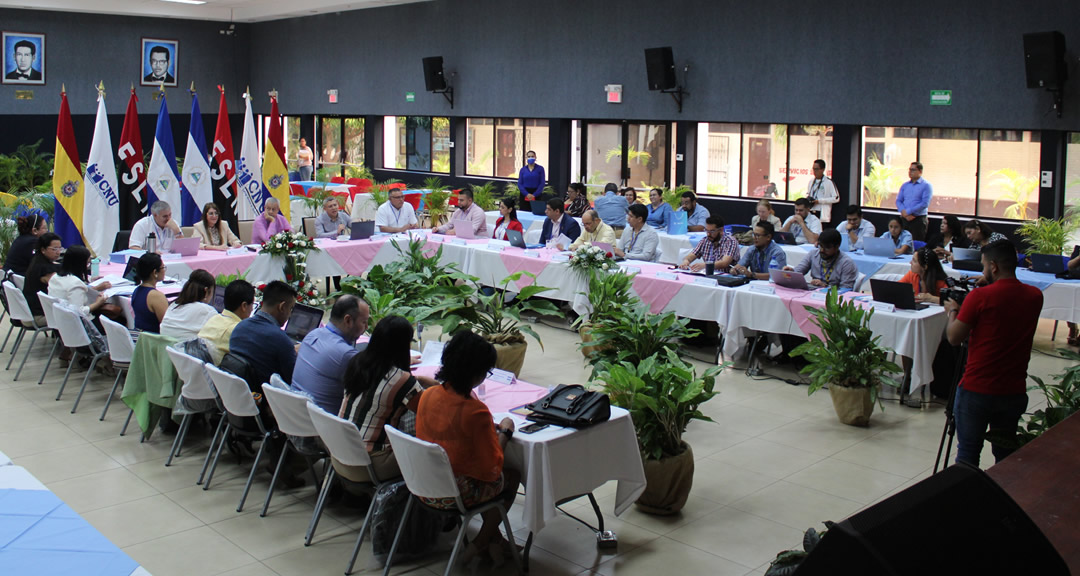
x=410 y=96
x=941 y=97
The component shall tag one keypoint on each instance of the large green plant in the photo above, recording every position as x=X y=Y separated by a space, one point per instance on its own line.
x=787 y=562
x=850 y=355
x=224 y=280
x=1062 y=400
x=484 y=195
x=1017 y=189
x=609 y=294
x=315 y=198
x=26 y=168
x=1047 y=235
x=634 y=334
x=496 y=314
x=435 y=204
x=882 y=181
x=8 y=230
x=662 y=393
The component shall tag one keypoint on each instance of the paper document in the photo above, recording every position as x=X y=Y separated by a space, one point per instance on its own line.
x=432 y=355
x=115 y=280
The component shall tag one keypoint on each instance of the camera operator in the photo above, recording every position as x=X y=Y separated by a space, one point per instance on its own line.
x=999 y=321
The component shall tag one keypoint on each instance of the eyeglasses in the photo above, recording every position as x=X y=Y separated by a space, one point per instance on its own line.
x=399 y=197
x=759 y=235
x=211 y=213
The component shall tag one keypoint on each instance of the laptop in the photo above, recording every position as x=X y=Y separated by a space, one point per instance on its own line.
x=219 y=298
x=186 y=246
x=898 y=294
x=465 y=232
x=539 y=207
x=880 y=247
x=720 y=278
x=303 y=319
x=784 y=238
x=361 y=230
x=1047 y=263
x=788 y=279
x=129 y=270
x=967 y=259
x=515 y=238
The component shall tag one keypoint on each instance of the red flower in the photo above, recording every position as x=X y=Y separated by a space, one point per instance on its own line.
x=610 y=255
x=288 y=277
x=301 y=284
x=292 y=245
x=262 y=287
x=311 y=293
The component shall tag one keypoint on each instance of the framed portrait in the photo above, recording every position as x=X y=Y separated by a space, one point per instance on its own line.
x=159 y=62
x=24 y=58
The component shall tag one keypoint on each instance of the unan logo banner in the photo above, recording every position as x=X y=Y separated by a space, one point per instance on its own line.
x=70 y=188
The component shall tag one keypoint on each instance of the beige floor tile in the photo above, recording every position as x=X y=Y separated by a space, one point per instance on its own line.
x=141 y=520
x=822 y=435
x=879 y=453
x=219 y=502
x=196 y=551
x=280 y=531
x=696 y=507
x=667 y=556
x=330 y=555
x=847 y=480
x=22 y=416
x=737 y=536
x=67 y=463
x=748 y=421
x=568 y=539
x=37 y=439
x=789 y=401
x=723 y=482
x=767 y=458
x=796 y=506
x=708 y=438
x=101 y=490
x=253 y=569
x=127 y=449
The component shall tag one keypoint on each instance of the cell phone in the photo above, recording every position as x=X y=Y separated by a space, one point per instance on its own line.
x=534 y=427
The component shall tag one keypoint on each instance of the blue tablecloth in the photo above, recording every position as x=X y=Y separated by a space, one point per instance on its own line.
x=1041 y=280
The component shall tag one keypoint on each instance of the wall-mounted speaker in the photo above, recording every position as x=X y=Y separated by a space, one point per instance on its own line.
x=660 y=65
x=434 y=80
x=1044 y=60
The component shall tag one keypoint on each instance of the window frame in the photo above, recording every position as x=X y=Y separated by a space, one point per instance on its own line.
x=493 y=122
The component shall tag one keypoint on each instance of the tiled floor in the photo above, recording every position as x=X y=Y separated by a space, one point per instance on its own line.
x=774 y=463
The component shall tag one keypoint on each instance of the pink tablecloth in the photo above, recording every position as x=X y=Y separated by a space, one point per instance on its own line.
x=498 y=397
x=213 y=261
x=355 y=256
x=658 y=292
x=515 y=261
x=797 y=301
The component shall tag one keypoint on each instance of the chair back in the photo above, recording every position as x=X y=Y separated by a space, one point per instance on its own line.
x=277 y=382
x=17 y=306
x=47 y=303
x=309 y=226
x=188 y=231
x=234 y=392
x=296 y=190
x=244 y=228
x=121 y=346
x=337 y=179
x=191 y=371
x=129 y=312
x=71 y=328
x=424 y=466
x=413 y=199
x=18 y=280
x=341 y=437
x=290 y=411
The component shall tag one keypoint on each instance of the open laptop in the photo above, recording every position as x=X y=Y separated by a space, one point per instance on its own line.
x=1047 y=263
x=784 y=238
x=899 y=294
x=129 y=270
x=361 y=230
x=186 y=246
x=303 y=319
x=788 y=279
x=464 y=232
x=515 y=238
x=880 y=247
x=219 y=298
x=967 y=259
x=539 y=207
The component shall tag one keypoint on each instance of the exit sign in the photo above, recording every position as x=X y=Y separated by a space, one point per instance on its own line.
x=614 y=93
x=332 y=96
x=410 y=96
x=941 y=97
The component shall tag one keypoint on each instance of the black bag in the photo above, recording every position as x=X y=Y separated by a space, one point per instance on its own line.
x=571 y=406
x=421 y=532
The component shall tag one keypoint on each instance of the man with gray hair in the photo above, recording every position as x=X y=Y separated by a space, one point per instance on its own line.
x=160 y=223
x=269 y=223
x=596 y=231
x=332 y=222
x=326 y=351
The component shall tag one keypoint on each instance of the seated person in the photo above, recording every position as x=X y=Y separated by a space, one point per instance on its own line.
x=326 y=351
x=901 y=238
x=31 y=224
x=558 y=223
x=577 y=200
x=804 y=225
x=695 y=214
x=765 y=212
x=827 y=265
x=40 y=271
x=333 y=222
x=756 y=262
x=660 y=212
x=450 y=416
x=949 y=233
x=269 y=223
x=467 y=214
x=213 y=231
x=396 y=215
x=159 y=222
x=596 y=231
x=980 y=234
x=612 y=207
x=379 y=390
x=192 y=309
x=147 y=302
x=639 y=241
x=857 y=228
x=260 y=341
x=926 y=276
x=69 y=284
x=239 y=301
x=631 y=196
x=716 y=247
x=508 y=219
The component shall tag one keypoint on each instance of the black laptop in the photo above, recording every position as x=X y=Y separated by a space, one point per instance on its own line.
x=899 y=294
x=303 y=319
x=1047 y=263
x=784 y=238
x=967 y=259
x=129 y=270
x=362 y=230
x=219 y=298
x=539 y=207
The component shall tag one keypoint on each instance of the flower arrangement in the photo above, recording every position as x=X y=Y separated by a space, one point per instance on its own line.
x=589 y=259
x=294 y=248
x=287 y=244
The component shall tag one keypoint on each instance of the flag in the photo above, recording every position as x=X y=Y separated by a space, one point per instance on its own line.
x=223 y=166
x=249 y=170
x=162 y=178
x=275 y=171
x=198 y=188
x=101 y=200
x=67 y=180
x=132 y=185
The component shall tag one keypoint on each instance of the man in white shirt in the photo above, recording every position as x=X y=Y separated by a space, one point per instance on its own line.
x=638 y=242
x=395 y=215
x=159 y=222
x=304 y=160
x=857 y=228
x=821 y=192
x=803 y=225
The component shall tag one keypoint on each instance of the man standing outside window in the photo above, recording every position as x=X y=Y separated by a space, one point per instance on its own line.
x=304 y=160
x=821 y=192
x=913 y=201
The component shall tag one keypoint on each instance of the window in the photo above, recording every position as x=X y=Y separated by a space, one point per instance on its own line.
x=330 y=141
x=1072 y=169
x=760 y=160
x=987 y=173
x=420 y=143
x=292 y=140
x=353 y=156
x=496 y=147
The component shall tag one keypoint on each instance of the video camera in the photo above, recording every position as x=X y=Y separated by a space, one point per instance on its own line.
x=958 y=289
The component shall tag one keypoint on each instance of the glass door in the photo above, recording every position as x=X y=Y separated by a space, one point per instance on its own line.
x=628 y=154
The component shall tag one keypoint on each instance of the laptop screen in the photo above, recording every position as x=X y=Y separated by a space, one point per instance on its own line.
x=129 y=270
x=219 y=298
x=303 y=319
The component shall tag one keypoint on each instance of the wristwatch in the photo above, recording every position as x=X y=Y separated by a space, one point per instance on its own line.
x=508 y=431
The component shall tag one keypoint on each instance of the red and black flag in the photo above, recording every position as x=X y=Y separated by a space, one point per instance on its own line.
x=223 y=166
x=132 y=168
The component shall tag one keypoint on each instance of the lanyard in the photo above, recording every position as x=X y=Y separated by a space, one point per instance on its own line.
x=397 y=216
x=761 y=265
x=633 y=239
x=826 y=273
x=815 y=189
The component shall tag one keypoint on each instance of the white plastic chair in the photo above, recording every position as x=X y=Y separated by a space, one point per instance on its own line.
x=47 y=303
x=129 y=312
x=860 y=279
x=20 y=310
x=121 y=351
x=427 y=472
x=196 y=386
x=290 y=411
x=18 y=280
x=72 y=331
x=343 y=440
x=236 y=397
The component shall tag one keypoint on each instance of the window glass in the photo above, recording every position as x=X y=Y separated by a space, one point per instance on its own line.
x=604 y=157
x=718 y=159
x=808 y=143
x=480 y=147
x=1072 y=170
x=440 y=144
x=764 y=160
x=1009 y=174
x=950 y=158
x=292 y=140
x=648 y=155
x=330 y=156
x=887 y=152
x=536 y=139
x=354 y=147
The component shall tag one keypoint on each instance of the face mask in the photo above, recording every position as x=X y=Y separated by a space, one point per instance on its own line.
x=531 y=161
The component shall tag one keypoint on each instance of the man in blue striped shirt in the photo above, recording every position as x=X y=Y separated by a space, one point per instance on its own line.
x=914 y=200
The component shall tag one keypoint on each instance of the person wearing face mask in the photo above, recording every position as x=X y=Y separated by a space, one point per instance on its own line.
x=531 y=178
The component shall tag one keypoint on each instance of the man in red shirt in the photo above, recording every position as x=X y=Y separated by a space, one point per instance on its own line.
x=999 y=321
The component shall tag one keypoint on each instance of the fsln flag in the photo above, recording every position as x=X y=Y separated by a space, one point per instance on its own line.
x=162 y=179
x=132 y=168
x=275 y=171
x=67 y=179
x=223 y=166
x=198 y=188
x=249 y=170
x=101 y=202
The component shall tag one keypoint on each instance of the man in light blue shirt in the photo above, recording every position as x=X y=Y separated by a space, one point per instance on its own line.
x=757 y=261
x=326 y=351
x=914 y=200
x=612 y=207
x=857 y=228
x=695 y=214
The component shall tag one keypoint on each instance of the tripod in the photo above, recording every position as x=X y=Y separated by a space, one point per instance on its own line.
x=950 y=419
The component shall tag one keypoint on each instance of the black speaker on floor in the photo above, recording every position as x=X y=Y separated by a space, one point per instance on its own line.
x=434 y=80
x=955 y=522
x=660 y=65
x=1044 y=60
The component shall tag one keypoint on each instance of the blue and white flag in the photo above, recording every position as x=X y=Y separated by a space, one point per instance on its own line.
x=162 y=178
x=198 y=185
x=249 y=170
x=101 y=200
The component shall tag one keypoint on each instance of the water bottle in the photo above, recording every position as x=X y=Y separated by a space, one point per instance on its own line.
x=151 y=242
x=773 y=264
x=95 y=267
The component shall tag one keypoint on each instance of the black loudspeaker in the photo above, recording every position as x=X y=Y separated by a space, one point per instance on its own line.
x=661 y=68
x=1044 y=60
x=955 y=522
x=433 y=74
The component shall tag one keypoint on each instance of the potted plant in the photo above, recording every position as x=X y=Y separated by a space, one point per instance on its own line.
x=849 y=359
x=663 y=394
x=484 y=196
x=609 y=293
x=787 y=562
x=1047 y=235
x=495 y=314
x=631 y=333
x=1062 y=401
